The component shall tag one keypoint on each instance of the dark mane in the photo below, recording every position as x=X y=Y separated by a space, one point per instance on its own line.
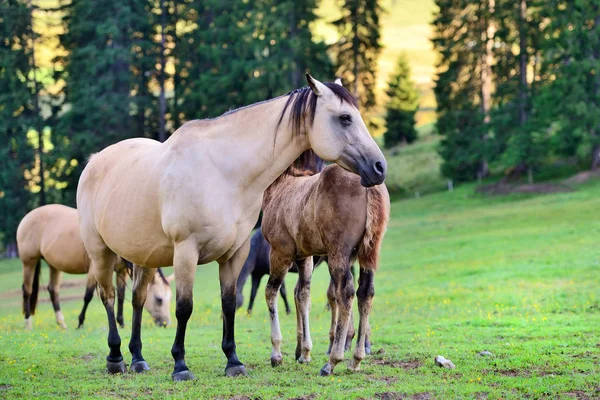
x=309 y=163
x=162 y=276
x=303 y=104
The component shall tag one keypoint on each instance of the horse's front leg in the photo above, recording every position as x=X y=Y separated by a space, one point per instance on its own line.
x=365 y=293
x=302 y=300
x=185 y=261
x=344 y=294
x=228 y=275
x=280 y=264
x=141 y=278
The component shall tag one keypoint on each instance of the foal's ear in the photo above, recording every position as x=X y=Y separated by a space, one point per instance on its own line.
x=317 y=87
x=170 y=278
x=338 y=81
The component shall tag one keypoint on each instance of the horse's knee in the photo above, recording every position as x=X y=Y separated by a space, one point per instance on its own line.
x=183 y=309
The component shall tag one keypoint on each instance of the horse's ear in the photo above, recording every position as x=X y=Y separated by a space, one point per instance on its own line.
x=317 y=87
x=170 y=278
x=338 y=81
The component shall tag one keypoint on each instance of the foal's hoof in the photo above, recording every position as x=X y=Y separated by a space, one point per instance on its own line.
x=139 y=366
x=116 y=367
x=326 y=370
x=182 y=376
x=276 y=361
x=237 y=370
x=354 y=364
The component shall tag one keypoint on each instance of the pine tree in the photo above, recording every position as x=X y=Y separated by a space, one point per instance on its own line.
x=461 y=39
x=358 y=49
x=570 y=104
x=402 y=106
x=101 y=75
x=17 y=115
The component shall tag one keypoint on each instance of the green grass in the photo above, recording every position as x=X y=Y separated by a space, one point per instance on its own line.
x=518 y=276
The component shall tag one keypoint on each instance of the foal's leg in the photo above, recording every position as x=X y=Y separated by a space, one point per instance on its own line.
x=53 y=289
x=141 y=278
x=333 y=308
x=228 y=275
x=344 y=292
x=90 y=287
x=185 y=261
x=29 y=295
x=302 y=299
x=283 y=292
x=121 y=270
x=280 y=264
x=365 y=293
x=255 y=284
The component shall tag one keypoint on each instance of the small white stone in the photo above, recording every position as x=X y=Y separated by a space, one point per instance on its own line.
x=441 y=361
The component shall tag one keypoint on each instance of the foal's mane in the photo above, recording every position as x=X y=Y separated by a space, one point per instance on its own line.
x=309 y=163
x=162 y=276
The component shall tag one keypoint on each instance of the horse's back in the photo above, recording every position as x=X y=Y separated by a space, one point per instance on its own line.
x=52 y=232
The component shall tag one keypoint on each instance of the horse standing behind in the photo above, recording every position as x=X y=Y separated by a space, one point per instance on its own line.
x=51 y=232
x=328 y=213
x=195 y=198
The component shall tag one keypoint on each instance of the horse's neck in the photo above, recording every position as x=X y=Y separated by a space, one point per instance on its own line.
x=249 y=149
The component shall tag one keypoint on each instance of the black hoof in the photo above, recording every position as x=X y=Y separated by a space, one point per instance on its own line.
x=139 y=366
x=325 y=371
x=238 y=370
x=80 y=325
x=276 y=362
x=116 y=367
x=182 y=376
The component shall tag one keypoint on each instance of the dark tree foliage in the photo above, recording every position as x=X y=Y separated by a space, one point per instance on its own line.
x=17 y=115
x=459 y=27
x=359 y=47
x=402 y=106
x=106 y=75
x=244 y=52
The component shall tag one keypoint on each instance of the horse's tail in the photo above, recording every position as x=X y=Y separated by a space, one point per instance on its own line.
x=378 y=215
x=34 y=288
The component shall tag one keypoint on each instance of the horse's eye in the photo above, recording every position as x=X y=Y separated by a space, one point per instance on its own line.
x=345 y=119
x=159 y=300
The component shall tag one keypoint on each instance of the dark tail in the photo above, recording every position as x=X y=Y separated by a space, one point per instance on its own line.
x=378 y=215
x=35 y=288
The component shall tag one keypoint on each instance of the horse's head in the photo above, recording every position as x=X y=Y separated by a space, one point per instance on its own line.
x=339 y=134
x=158 y=300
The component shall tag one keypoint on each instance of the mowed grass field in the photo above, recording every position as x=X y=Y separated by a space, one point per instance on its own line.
x=517 y=276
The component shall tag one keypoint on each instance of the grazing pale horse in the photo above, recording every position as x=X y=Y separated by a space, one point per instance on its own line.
x=51 y=232
x=328 y=213
x=196 y=197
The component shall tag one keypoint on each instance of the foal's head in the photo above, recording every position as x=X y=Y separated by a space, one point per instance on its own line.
x=328 y=114
x=158 y=300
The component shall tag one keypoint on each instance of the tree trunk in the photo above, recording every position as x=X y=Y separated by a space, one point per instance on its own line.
x=176 y=80
x=488 y=32
x=355 y=48
x=38 y=116
x=295 y=70
x=162 y=101
x=595 y=157
x=522 y=62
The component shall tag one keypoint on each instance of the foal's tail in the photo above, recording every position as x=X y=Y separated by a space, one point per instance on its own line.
x=34 y=288
x=378 y=215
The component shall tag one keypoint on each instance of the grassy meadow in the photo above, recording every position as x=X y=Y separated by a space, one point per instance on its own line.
x=517 y=276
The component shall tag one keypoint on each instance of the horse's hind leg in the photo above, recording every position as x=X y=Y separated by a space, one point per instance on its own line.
x=256 y=277
x=184 y=262
x=53 y=289
x=121 y=271
x=103 y=262
x=141 y=278
x=365 y=293
x=228 y=275
x=344 y=293
x=331 y=301
x=302 y=300
x=280 y=264
x=90 y=287
x=283 y=292
x=30 y=269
